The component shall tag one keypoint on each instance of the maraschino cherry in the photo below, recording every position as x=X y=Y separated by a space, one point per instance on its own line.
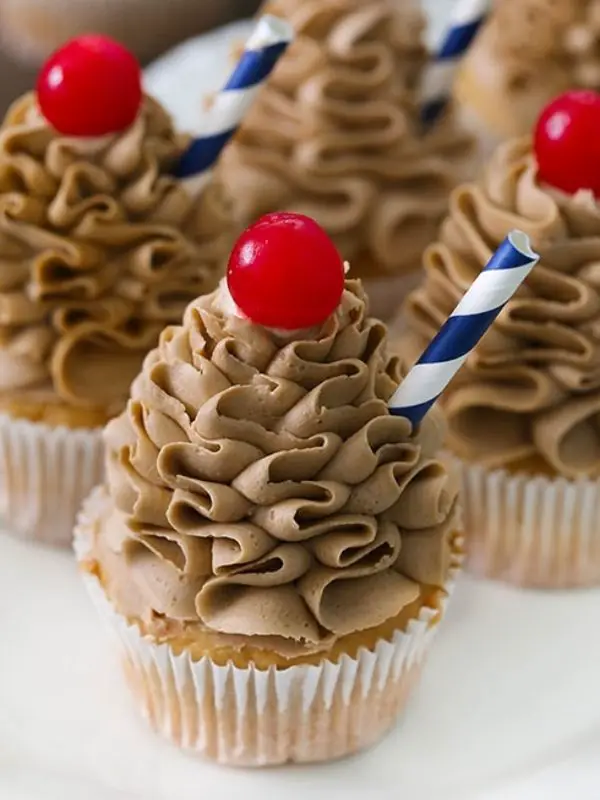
x=90 y=87
x=285 y=272
x=567 y=142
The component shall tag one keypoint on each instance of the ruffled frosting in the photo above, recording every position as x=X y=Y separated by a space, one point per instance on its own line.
x=100 y=248
x=335 y=134
x=531 y=51
x=532 y=387
x=263 y=489
x=534 y=30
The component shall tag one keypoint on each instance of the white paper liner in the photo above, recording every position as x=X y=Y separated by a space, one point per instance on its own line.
x=253 y=717
x=45 y=474
x=531 y=531
x=386 y=294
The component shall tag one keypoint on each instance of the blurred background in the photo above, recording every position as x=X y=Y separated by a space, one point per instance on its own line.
x=31 y=29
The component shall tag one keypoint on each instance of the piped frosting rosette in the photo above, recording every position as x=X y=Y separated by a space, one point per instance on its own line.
x=523 y=413
x=530 y=51
x=96 y=258
x=100 y=247
x=263 y=504
x=336 y=135
x=252 y=475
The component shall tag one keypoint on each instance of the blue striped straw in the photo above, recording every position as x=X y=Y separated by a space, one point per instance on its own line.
x=488 y=294
x=466 y=19
x=266 y=45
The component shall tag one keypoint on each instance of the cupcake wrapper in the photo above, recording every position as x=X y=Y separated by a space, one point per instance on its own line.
x=45 y=474
x=252 y=717
x=531 y=531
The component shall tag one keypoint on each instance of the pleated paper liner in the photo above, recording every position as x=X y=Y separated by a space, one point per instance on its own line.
x=531 y=531
x=45 y=474
x=252 y=717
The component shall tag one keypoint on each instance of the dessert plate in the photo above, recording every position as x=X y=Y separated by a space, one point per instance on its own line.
x=508 y=707
x=185 y=77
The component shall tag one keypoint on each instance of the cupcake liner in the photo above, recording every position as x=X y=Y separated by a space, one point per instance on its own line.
x=386 y=294
x=45 y=474
x=253 y=717
x=531 y=531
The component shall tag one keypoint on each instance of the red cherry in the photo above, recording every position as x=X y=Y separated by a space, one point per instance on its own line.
x=90 y=87
x=567 y=142
x=285 y=272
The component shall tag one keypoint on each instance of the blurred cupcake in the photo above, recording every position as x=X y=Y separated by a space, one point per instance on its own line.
x=530 y=51
x=100 y=248
x=336 y=135
x=273 y=548
x=32 y=29
x=524 y=413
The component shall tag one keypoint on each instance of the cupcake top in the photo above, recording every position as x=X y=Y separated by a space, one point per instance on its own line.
x=100 y=247
x=336 y=135
x=262 y=489
x=537 y=48
x=531 y=389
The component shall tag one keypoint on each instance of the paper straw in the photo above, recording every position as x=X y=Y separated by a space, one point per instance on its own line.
x=488 y=294
x=465 y=22
x=263 y=49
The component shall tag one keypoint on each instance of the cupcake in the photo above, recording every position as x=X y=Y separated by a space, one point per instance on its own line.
x=100 y=249
x=32 y=29
x=530 y=51
x=523 y=414
x=273 y=548
x=336 y=135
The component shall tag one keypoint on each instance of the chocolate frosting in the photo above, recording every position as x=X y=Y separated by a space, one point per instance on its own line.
x=100 y=248
x=532 y=50
x=532 y=386
x=335 y=133
x=263 y=489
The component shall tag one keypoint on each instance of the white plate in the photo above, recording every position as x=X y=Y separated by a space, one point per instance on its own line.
x=185 y=76
x=509 y=707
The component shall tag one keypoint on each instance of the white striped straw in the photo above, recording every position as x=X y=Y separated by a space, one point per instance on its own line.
x=465 y=22
x=486 y=297
x=263 y=50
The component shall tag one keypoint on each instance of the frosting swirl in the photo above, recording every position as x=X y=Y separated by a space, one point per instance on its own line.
x=529 y=52
x=100 y=248
x=532 y=386
x=263 y=489
x=334 y=134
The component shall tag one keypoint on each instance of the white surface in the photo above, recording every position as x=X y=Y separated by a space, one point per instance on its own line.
x=509 y=707
x=183 y=78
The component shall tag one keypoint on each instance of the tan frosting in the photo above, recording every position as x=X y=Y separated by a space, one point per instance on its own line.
x=262 y=488
x=530 y=51
x=334 y=134
x=96 y=252
x=532 y=387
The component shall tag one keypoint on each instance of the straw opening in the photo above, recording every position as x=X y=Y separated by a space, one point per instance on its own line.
x=521 y=242
x=270 y=30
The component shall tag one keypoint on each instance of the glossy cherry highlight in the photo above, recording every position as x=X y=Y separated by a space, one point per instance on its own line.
x=285 y=272
x=90 y=87
x=567 y=142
